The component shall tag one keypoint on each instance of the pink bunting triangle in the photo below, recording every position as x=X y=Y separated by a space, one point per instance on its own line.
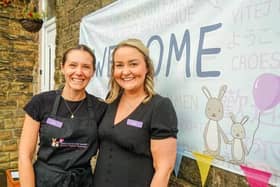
x=255 y=177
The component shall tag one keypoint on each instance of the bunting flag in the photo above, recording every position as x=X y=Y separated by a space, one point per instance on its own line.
x=178 y=161
x=255 y=177
x=204 y=163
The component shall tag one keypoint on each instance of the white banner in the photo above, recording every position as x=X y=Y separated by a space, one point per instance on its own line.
x=218 y=61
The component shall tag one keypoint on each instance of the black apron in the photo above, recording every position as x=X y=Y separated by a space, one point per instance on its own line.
x=66 y=147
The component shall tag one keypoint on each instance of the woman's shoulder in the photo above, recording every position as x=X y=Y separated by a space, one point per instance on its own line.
x=160 y=102
x=159 y=98
x=99 y=106
x=97 y=100
x=40 y=104
x=45 y=96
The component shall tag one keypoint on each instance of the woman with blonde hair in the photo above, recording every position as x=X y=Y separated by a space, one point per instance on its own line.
x=138 y=131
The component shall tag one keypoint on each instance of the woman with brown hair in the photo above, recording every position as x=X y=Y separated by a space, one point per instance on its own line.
x=66 y=121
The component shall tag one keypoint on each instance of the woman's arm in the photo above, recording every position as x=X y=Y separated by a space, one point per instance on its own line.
x=27 y=146
x=164 y=156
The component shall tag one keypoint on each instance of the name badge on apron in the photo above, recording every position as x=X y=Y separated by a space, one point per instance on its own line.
x=54 y=122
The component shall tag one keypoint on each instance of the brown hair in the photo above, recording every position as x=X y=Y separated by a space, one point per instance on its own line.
x=81 y=47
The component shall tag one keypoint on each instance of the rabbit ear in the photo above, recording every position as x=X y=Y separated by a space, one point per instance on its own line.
x=222 y=92
x=206 y=92
x=232 y=117
x=244 y=120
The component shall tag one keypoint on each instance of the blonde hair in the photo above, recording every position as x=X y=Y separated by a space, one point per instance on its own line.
x=115 y=89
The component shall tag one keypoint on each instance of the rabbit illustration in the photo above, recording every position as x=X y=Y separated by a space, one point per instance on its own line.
x=238 y=148
x=55 y=142
x=213 y=132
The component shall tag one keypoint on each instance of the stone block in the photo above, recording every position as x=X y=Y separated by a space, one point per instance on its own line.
x=17 y=132
x=9 y=145
x=5 y=135
x=106 y=2
x=9 y=123
x=177 y=182
x=5 y=165
x=4 y=157
x=14 y=155
x=1 y=124
x=14 y=164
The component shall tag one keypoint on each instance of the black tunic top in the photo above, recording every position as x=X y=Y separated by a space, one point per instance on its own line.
x=125 y=158
x=66 y=144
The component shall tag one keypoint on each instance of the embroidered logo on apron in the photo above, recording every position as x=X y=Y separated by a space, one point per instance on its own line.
x=59 y=142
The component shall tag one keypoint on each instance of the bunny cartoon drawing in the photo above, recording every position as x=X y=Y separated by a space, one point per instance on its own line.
x=238 y=148
x=214 y=111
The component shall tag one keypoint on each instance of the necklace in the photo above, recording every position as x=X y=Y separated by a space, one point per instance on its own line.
x=77 y=108
x=131 y=106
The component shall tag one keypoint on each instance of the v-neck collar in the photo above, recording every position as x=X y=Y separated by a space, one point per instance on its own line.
x=115 y=108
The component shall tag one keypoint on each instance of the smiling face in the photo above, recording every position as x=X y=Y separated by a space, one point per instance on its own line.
x=129 y=69
x=78 y=70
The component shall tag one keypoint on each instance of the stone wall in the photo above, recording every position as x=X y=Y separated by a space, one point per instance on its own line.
x=19 y=75
x=68 y=18
x=18 y=70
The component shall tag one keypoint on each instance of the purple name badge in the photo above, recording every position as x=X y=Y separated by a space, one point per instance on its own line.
x=134 y=123
x=54 y=122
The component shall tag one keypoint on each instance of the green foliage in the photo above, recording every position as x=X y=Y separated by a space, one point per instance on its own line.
x=31 y=12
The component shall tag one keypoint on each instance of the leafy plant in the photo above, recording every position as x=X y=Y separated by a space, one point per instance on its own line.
x=31 y=11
